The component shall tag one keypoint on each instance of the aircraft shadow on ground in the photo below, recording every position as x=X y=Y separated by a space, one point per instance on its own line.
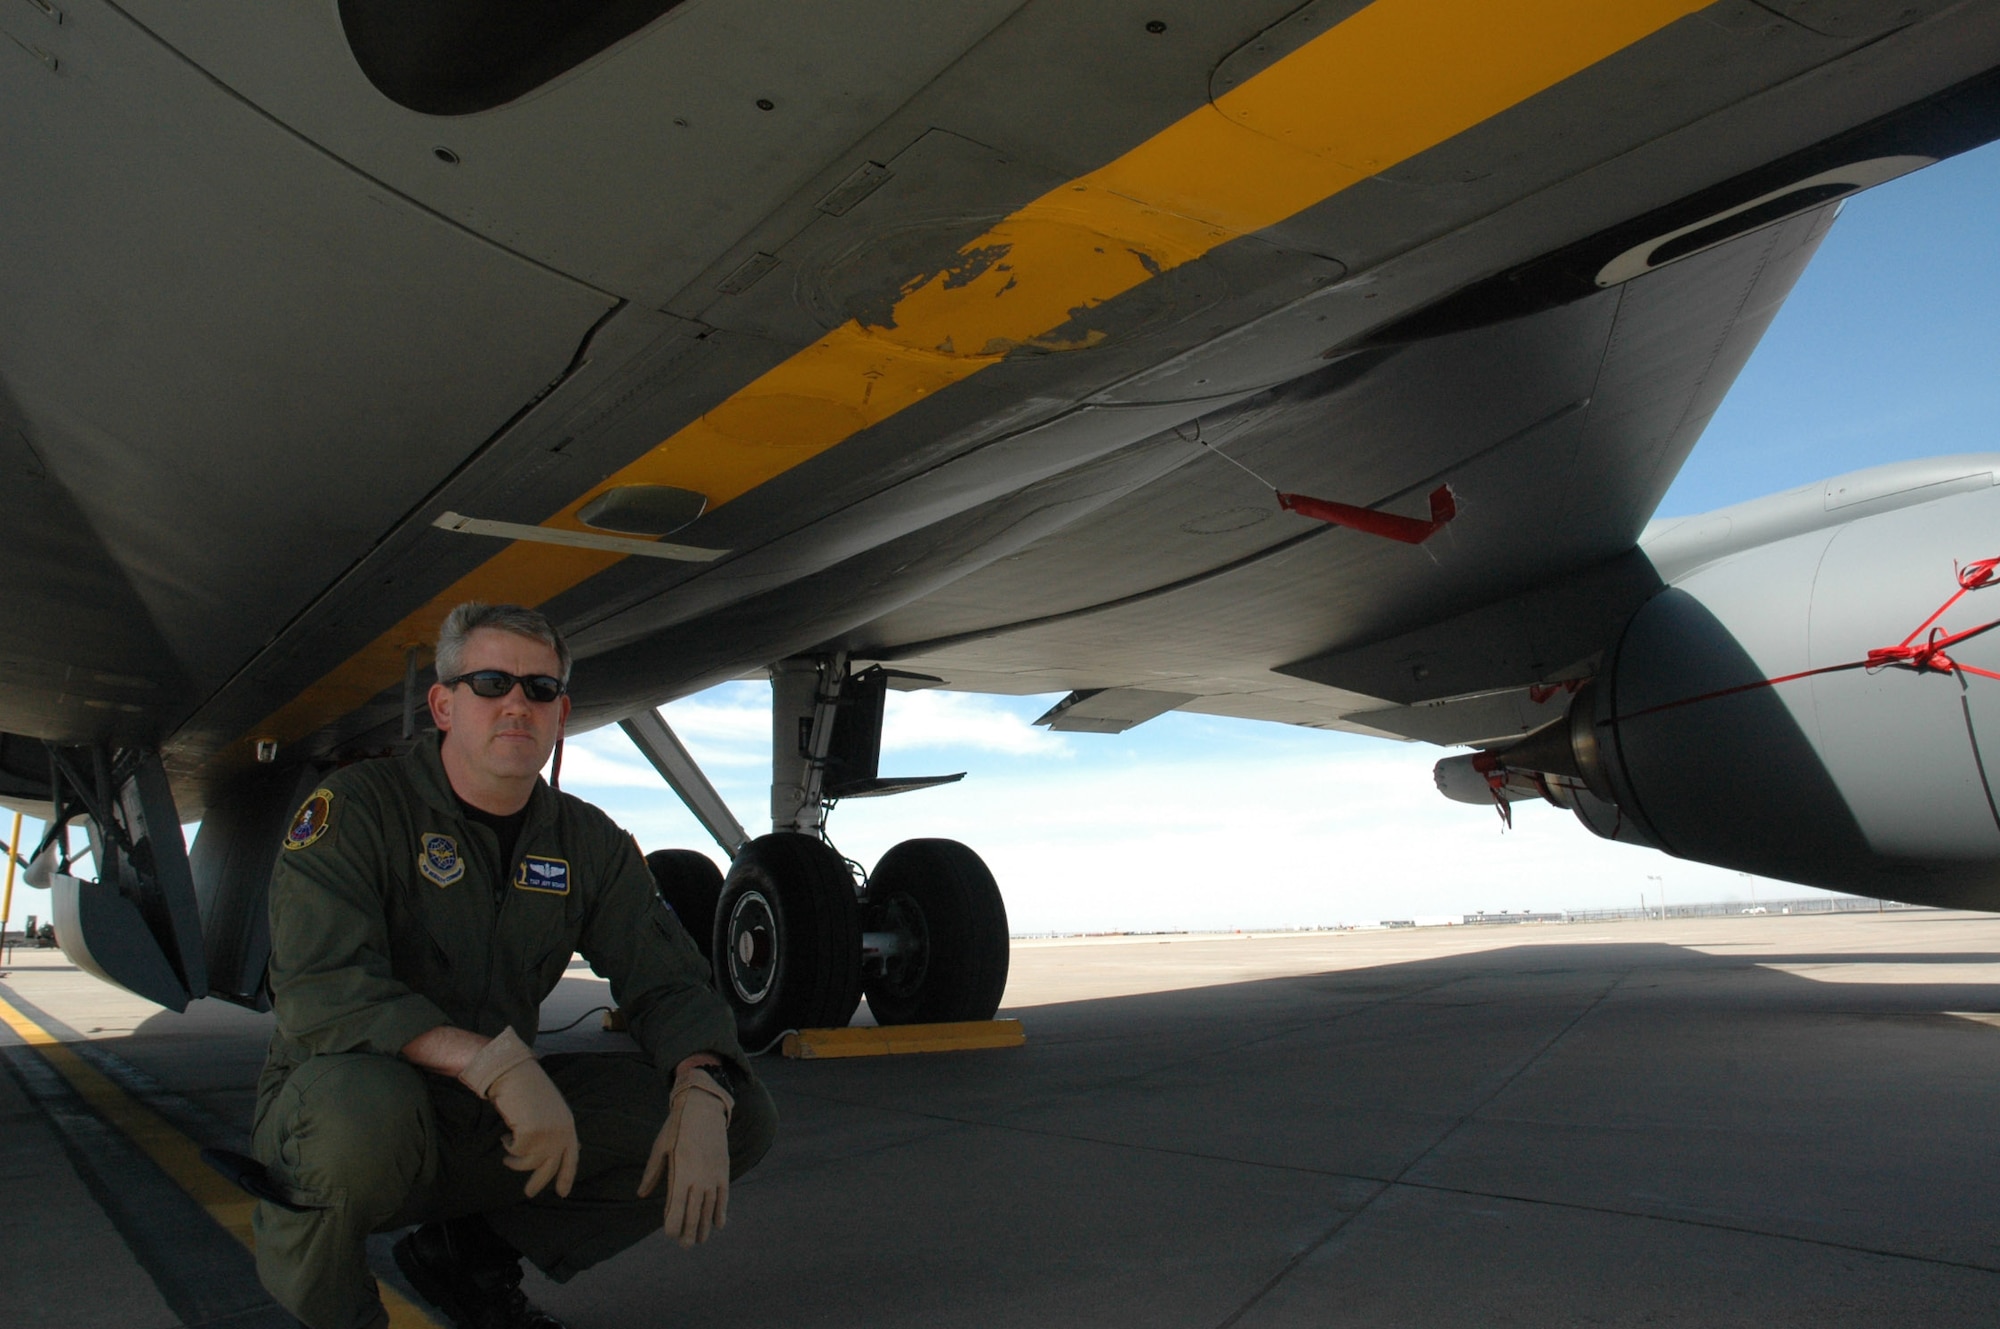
x=1536 y=1111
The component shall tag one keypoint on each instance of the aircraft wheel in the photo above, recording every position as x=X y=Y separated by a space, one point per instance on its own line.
x=690 y=883
x=938 y=900
x=787 y=939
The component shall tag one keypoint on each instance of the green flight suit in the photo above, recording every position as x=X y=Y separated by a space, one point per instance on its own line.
x=392 y=914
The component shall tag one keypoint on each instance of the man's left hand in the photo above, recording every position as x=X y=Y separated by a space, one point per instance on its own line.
x=692 y=1149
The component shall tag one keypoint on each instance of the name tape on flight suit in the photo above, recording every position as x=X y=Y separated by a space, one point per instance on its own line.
x=548 y=875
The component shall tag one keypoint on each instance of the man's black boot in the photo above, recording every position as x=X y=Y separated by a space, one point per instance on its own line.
x=471 y=1275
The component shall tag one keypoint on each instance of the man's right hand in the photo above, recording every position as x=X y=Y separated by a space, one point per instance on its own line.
x=541 y=1132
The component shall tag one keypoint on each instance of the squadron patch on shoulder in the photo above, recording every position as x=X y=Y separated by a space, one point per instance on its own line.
x=547 y=875
x=439 y=860
x=314 y=817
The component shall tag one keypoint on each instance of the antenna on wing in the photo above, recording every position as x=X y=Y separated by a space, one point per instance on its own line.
x=1233 y=462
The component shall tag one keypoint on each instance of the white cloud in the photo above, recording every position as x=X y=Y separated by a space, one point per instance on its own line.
x=731 y=725
x=605 y=759
x=1192 y=822
x=1350 y=837
x=728 y=725
x=934 y=719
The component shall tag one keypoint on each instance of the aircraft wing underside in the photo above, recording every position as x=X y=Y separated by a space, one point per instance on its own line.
x=1557 y=432
x=963 y=332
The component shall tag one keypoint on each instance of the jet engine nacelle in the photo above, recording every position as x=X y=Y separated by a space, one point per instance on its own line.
x=1824 y=708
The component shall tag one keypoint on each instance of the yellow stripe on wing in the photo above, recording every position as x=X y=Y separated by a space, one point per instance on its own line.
x=1393 y=80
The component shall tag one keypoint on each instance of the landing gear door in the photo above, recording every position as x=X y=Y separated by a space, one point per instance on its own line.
x=233 y=858
x=137 y=925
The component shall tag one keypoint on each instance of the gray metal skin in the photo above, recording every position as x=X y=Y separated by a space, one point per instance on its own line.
x=261 y=336
x=1730 y=725
x=265 y=327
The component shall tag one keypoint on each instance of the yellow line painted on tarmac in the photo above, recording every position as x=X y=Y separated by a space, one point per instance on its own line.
x=1397 y=78
x=899 y=1039
x=175 y=1154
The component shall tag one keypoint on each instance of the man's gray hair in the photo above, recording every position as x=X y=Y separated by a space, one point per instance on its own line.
x=471 y=616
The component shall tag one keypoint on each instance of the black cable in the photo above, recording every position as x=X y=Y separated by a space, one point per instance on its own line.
x=859 y=873
x=560 y=1029
x=758 y=1052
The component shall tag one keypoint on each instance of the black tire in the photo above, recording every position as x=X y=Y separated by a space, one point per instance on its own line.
x=787 y=939
x=690 y=883
x=938 y=896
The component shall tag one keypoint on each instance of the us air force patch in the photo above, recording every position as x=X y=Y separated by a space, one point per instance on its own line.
x=438 y=859
x=548 y=875
x=315 y=815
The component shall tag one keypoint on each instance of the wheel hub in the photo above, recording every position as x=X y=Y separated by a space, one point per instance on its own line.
x=751 y=946
x=903 y=972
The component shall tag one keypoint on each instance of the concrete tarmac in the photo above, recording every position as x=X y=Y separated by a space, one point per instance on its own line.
x=1759 y=1121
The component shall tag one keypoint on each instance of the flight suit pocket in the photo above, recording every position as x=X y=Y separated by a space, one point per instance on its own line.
x=348 y=1124
x=417 y=953
x=549 y=970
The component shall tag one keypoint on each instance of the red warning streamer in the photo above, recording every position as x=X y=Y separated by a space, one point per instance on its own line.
x=1541 y=692
x=1923 y=656
x=1408 y=530
x=1489 y=765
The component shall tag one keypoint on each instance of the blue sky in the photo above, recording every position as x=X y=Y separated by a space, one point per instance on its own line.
x=1882 y=353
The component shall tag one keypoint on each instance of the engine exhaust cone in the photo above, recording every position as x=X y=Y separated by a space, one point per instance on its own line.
x=1565 y=747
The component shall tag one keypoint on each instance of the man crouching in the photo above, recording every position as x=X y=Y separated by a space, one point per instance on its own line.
x=422 y=908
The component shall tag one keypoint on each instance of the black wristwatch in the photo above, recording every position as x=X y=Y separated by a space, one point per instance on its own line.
x=723 y=1076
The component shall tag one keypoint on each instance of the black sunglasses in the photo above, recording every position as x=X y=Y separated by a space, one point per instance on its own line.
x=498 y=683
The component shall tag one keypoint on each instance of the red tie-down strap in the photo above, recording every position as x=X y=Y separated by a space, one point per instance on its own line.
x=1409 y=530
x=1930 y=653
x=1927 y=655
x=1909 y=653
